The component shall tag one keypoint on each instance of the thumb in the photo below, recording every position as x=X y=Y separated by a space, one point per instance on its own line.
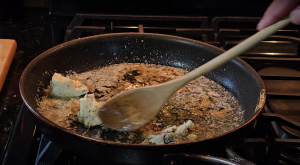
x=295 y=16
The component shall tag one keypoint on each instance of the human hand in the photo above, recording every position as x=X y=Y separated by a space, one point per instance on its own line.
x=278 y=10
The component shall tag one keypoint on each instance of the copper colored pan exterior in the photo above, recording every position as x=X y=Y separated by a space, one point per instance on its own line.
x=96 y=51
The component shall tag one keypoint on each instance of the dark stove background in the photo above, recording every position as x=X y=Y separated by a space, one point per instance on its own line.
x=276 y=60
x=157 y=7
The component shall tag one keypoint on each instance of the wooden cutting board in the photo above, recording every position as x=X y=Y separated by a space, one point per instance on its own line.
x=7 y=50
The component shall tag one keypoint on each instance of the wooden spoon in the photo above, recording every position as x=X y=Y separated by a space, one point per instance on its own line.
x=134 y=108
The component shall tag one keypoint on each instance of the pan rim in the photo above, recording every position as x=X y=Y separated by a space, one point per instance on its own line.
x=128 y=145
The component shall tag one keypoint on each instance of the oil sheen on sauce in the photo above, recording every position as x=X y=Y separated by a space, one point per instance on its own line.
x=212 y=108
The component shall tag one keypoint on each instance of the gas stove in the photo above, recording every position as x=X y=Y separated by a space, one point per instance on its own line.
x=274 y=139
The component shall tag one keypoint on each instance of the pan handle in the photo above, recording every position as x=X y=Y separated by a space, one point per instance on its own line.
x=233 y=159
x=282 y=119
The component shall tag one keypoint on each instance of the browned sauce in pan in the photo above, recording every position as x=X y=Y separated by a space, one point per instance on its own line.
x=211 y=108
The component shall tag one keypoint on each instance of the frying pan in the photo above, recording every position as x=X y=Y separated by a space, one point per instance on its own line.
x=102 y=50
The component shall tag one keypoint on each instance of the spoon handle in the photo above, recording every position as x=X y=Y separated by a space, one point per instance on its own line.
x=230 y=54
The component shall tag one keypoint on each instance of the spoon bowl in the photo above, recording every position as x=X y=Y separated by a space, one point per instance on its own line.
x=128 y=112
